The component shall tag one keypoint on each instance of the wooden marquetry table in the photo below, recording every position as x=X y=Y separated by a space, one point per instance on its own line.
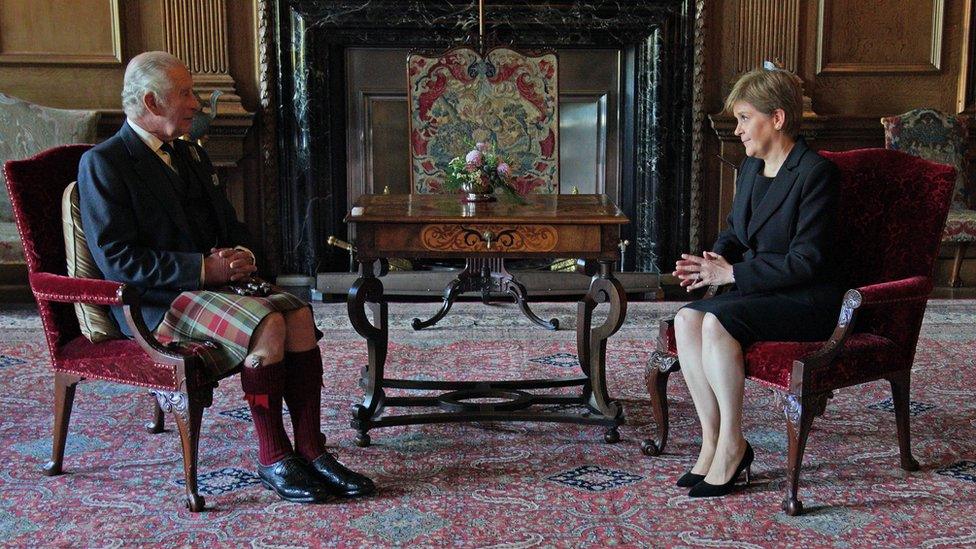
x=442 y=226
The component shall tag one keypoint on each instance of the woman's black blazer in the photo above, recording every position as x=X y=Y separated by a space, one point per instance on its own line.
x=786 y=244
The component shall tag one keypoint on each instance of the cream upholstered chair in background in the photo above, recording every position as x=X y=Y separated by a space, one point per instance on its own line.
x=939 y=137
x=25 y=130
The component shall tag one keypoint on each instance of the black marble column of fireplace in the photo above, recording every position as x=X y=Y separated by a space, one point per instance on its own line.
x=656 y=36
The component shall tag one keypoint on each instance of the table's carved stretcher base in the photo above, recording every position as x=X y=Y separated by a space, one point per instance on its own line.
x=487 y=276
x=511 y=399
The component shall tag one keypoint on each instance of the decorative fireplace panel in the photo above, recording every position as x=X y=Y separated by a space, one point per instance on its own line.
x=655 y=41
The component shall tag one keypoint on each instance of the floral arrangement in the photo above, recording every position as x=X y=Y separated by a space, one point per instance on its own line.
x=480 y=172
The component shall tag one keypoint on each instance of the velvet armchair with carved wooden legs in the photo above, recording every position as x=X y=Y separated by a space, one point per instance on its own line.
x=175 y=375
x=892 y=210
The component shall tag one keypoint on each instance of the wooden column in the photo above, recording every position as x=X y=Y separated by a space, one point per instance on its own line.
x=196 y=32
x=767 y=29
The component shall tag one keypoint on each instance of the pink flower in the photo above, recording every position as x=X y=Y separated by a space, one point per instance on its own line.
x=504 y=170
x=474 y=158
x=481 y=146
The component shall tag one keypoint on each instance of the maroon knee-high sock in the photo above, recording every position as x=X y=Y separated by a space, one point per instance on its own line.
x=303 y=394
x=263 y=387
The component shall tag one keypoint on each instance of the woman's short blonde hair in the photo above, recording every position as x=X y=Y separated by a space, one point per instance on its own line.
x=768 y=89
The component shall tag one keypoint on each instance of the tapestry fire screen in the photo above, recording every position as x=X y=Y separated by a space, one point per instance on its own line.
x=506 y=99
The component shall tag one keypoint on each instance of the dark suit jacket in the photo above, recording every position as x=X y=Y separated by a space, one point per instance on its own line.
x=786 y=243
x=136 y=225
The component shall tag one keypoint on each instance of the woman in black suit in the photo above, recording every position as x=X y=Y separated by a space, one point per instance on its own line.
x=776 y=254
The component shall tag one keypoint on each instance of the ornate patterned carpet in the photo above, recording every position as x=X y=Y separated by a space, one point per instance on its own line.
x=490 y=484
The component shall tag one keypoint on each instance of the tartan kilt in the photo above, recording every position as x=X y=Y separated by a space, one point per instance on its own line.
x=224 y=318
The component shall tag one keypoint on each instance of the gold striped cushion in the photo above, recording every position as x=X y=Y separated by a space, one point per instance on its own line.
x=95 y=321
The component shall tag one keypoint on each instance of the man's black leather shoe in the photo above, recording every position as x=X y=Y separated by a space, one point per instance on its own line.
x=294 y=480
x=340 y=480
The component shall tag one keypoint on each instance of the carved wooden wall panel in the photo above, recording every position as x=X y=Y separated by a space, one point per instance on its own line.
x=881 y=36
x=34 y=32
x=741 y=35
x=72 y=55
x=196 y=32
x=902 y=55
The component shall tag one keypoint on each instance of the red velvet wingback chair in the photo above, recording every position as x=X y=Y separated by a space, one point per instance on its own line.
x=171 y=373
x=892 y=209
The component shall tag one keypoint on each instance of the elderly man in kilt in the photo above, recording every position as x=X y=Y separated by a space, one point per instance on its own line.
x=156 y=218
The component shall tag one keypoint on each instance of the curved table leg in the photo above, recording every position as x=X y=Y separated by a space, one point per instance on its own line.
x=451 y=291
x=517 y=291
x=592 y=343
x=368 y=290
x=485 y=276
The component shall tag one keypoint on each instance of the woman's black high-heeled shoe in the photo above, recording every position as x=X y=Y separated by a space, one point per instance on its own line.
x=706 y=490
x=689 y=479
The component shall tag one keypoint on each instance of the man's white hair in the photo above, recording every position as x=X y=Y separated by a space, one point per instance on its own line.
x=147 y=73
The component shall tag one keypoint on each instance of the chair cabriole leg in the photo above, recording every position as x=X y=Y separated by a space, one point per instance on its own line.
x=189 y=426
x=188 y=411
x=954 y=279
x=900 y=395
x=659 y=369
x=799 y=412
x=158 y=422
x=64 y=397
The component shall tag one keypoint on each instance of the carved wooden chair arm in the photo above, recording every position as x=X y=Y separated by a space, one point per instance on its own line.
x=93 y=291
x=171 y=354
x=886 y=294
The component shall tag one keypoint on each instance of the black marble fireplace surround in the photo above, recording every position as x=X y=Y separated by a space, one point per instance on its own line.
x=657 y=38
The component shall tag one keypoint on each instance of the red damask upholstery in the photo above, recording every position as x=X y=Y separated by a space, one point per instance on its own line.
x=176 y=375
x=770 y=363
x=892 y=210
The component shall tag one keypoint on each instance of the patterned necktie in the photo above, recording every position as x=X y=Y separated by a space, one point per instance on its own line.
x=176 y=160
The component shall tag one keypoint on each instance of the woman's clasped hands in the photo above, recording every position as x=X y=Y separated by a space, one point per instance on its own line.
x=709 y=269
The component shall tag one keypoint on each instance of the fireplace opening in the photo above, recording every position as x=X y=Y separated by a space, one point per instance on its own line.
x=626 y=107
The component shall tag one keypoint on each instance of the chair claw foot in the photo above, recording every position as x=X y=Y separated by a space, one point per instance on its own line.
x=792 y=507
x=51 y=469
x=195 y=503
x=649 y=447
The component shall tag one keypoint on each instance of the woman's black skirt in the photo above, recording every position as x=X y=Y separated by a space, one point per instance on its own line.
x=802 y=314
